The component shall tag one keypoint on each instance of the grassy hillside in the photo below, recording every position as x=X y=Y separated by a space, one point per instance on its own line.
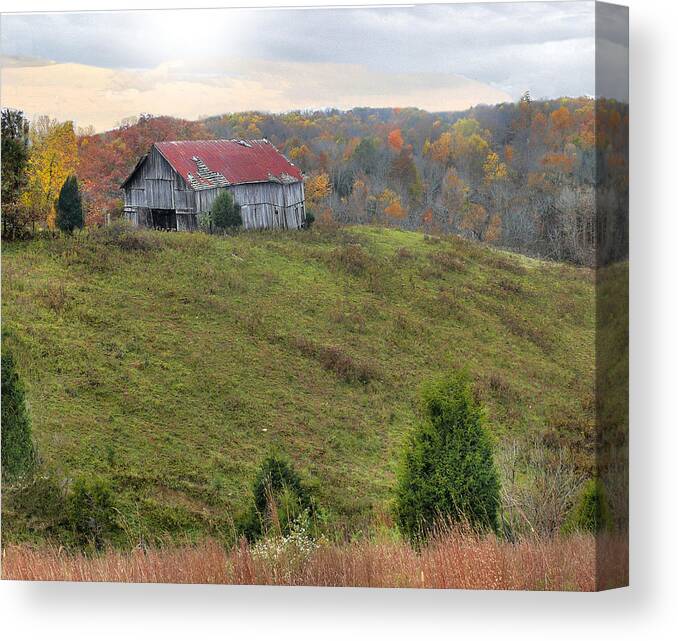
x=173 y=363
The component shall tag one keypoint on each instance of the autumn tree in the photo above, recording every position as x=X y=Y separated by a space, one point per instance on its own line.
x=480 y=223
x=395 y=140
x=15 y=131
x=391 y=205
x=69 y=214
x=317 y=189
x=54 y=157
x=404 y=174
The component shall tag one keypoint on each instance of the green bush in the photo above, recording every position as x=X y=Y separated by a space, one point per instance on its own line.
x=448 y=472
x=33 y=508
x=591 y=513
x=69 y=207
x=18 y=452
x=225 y=211
x=279 y=498
x=310 y=219
x=90 y=512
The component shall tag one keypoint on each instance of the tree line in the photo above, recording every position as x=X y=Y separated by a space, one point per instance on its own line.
x=531 y=176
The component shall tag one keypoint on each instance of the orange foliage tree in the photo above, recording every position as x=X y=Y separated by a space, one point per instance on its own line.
x=395 y=140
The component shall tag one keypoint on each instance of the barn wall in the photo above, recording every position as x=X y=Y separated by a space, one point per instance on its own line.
x=155 y=185
x=264 y=205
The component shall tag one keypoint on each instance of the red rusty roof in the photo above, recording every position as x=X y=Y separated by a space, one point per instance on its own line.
x=205 y=164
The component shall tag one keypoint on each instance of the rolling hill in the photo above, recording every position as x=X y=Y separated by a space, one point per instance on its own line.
x=172 y=363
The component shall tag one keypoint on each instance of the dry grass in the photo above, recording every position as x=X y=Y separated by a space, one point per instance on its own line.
x=453 y=561
x=335 y=359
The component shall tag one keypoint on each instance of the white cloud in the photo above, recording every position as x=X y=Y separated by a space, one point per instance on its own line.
x=408 y=53
x=474 y=40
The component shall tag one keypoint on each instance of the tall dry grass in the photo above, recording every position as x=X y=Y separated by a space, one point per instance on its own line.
x=452 y=561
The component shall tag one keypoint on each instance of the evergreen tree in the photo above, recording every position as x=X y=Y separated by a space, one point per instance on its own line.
x=448 y=472
x=14 y=163
x=69 y=207
x=225 y=211
x=277 y=487
x=18 y=455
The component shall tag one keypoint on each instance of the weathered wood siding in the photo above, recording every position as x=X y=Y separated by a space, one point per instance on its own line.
x=263 y=205
x=155 y=185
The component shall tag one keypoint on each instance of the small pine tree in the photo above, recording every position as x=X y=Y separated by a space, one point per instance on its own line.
x=225 y=211
x=69 y=207
x=591 y=513
x=277 y=487
x=447 y=472
x=18 y=452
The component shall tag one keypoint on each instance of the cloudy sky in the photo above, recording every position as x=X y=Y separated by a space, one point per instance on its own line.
x=98 y=68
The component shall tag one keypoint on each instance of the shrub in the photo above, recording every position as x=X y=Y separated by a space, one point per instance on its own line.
x=353 y=258
x=225 y=211
x=591 y=513
x=69 y=207
x=448 y=472
x=403 y=254
x=448 y=261
x=18 y=452
x=279 y=499
x=90 y=512
x=123 y=235
x=310 y=219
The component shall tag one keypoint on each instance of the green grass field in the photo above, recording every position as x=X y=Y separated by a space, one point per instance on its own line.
x=173 y=363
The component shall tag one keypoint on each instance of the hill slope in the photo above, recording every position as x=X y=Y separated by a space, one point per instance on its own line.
x=173 y=363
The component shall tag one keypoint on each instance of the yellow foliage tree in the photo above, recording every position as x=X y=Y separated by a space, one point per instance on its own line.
x=317 y=188
x=465 y=147
x=54 y=157
x=494 y=169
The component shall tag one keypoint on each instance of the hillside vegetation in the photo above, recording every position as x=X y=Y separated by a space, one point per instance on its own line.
x=172 y=364
x=536 y=177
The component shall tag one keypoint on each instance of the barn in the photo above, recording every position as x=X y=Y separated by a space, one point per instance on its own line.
x=176 y=182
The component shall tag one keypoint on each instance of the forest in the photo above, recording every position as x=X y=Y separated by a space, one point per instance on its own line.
x=525 y=176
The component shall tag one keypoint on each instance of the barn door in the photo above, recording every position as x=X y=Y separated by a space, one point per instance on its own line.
x=164 y=219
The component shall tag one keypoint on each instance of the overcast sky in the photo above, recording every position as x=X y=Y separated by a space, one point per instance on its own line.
x=97 y=68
